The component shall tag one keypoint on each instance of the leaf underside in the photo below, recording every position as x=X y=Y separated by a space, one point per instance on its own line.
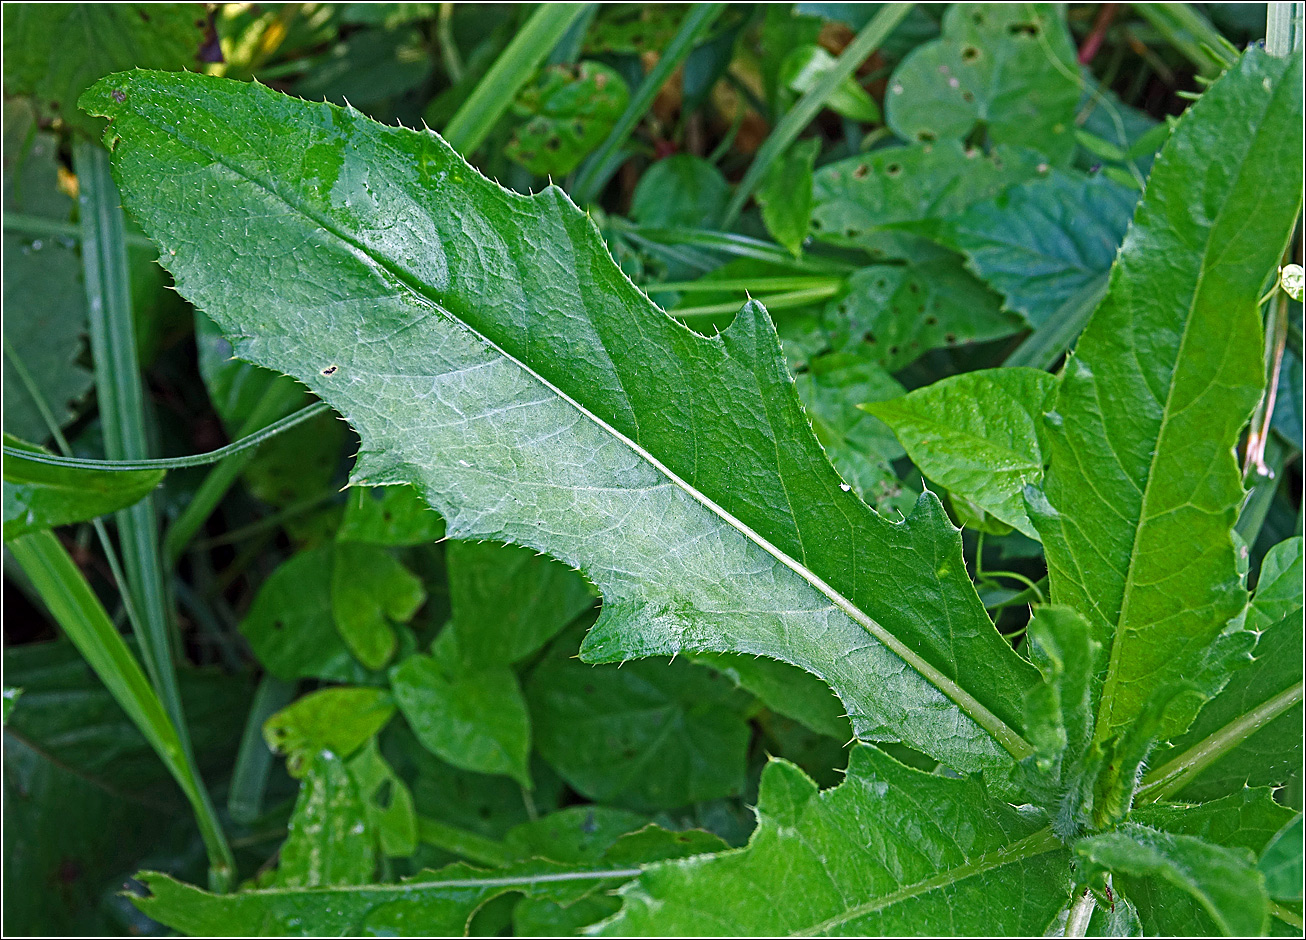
x=488 y=350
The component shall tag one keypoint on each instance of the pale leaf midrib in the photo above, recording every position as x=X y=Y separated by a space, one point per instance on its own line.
x=1039 y=843
x=1107 y=702
x=405 y=886
x=1010 y=741
x=1177 y=773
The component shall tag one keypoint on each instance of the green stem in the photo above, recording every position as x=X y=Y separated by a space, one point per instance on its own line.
x=1016 y=576
x=496 y=91
x=1283 y=28
x=809 y=105
x=707 y=285
x=1043 y=347
x=122 y=413
x=176 y=463
x=1261 y=495
x=1276 y=340
x=798 y=298
x=461 y=842
x=1081 y=912
x=453 y=62
x=75 y=607
x=19 y=368
x=1176 y=774
x=265 y=524
x=122 y=406
x=277 y=399
x=1191 y=34
x=597 y=168
x=739 y=246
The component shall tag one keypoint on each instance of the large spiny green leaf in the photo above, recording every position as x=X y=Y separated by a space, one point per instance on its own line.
x=1143 y=488
x=488 y=350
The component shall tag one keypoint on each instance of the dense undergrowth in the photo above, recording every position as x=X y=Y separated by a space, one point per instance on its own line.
x=934 y=567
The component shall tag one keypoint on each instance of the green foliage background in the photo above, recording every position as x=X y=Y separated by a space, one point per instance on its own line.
x=937 y=625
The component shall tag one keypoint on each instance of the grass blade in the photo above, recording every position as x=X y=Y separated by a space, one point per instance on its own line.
x=1043 y=347
x=600 y=165
x=122 y=417
x=1191 y=34
x=492 y=95
x=121 y=404
x=809 y=105
x=77 y=610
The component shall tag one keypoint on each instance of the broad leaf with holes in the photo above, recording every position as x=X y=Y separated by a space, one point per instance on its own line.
x=879 y=201
x=1009 y=67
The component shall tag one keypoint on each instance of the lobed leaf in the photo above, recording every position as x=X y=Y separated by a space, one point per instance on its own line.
x=487 y=349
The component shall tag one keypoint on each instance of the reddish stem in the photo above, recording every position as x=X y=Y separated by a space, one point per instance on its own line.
x=1093 y=41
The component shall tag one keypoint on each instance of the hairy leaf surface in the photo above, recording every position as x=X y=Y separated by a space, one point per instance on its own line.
x=488 y=350
x=1223 y=881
